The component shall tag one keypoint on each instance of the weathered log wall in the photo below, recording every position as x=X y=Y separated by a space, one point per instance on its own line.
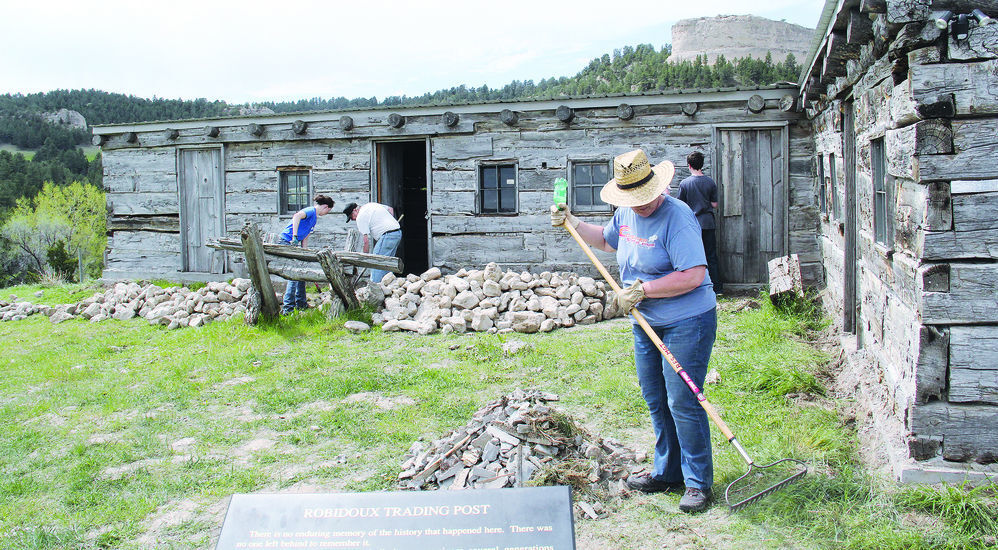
x=928 y=298
x=143 y=178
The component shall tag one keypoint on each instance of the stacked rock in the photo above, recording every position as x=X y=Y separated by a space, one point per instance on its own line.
x=490 y=300
x=173 y=307
x=513 y=440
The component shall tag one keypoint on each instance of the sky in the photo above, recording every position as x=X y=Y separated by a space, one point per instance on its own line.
x=248 y=51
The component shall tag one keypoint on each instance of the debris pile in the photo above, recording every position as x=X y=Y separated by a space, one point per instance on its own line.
x=520 y=440
x=492 y=301
x=173 y=307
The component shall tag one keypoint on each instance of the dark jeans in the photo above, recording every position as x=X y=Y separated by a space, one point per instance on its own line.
x=713 y=266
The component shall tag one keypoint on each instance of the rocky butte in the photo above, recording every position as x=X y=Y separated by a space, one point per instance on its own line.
x=738 y=36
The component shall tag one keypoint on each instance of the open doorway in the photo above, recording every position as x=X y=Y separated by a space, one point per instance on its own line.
x=401 y=184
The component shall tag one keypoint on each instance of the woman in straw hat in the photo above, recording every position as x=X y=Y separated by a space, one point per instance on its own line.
x=661 y=258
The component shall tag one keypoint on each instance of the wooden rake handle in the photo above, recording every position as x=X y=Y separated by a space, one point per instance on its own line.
x=701 y=398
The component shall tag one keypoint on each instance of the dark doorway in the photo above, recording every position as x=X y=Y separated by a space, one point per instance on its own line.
x=401 y=184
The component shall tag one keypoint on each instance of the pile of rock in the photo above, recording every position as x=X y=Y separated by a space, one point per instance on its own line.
x=518 y=439
x=173 y=307
x=492 y=301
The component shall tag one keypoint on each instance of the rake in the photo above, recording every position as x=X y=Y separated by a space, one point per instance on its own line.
x=756 y=475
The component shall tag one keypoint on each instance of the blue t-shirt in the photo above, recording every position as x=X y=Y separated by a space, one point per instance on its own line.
x=305 y=226
x=650 y=248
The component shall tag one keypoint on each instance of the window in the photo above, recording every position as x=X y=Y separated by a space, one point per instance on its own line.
x=294 y=189
x=882 y=207
x=497 y=189
x=836 y=211
x=822 y=188
x=587 y=180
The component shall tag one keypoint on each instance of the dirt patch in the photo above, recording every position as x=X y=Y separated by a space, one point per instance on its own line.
x=380 y=401
x=234 y=382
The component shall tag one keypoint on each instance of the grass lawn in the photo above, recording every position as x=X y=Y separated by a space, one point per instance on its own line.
x=125 y=435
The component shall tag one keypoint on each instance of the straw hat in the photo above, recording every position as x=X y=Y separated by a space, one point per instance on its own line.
x=635 y=181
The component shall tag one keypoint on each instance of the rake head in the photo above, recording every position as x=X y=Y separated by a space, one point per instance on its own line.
x=770 y=478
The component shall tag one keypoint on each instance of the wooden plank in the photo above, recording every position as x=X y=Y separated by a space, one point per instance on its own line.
x=145 y=170
x=973 y=154
x=969 y=432
x=975 y=212
x=766 y=196
x=780 y=206
x=478 y=250
x=256 y=263
x=753 y=261
x=375 y=261
x=163 y=224
x=140 y=241
x=143 y=204
x=957 y=245
x=971 y=299
x=959 y=187
x=974 y=364
x=316 y=155
x=458 y=148
x=973 y=85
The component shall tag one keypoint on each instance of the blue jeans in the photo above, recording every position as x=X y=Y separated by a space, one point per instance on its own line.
x=294 y=296
x=386 y=246
x=682 y=428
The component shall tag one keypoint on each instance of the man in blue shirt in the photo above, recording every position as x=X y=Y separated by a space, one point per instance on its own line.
x=296 y=234
x=700 y=193
x=661 y=258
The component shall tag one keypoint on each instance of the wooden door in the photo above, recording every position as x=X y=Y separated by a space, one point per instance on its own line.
x=202 y=204
x=751 y=170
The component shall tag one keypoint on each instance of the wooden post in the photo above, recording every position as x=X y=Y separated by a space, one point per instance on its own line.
x=450 y=119
x=334 y=272
x=509 y=118
x=299 y=127
x=346 y=123
x=254 y=129
x=690 y=108
x=396 y=120
x=172 y=134
x=256 y=263
x=756 y=103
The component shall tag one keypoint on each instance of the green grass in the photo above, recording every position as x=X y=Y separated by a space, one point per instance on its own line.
x=92 y=417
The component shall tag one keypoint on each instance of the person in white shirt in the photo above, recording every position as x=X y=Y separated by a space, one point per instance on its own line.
x=376 y=221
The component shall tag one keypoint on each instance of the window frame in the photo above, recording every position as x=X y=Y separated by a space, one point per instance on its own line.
x=283 y=207
x=603 y=208
x=833 y=184
x=480 y=190
x=883 y=226
x=822 y=186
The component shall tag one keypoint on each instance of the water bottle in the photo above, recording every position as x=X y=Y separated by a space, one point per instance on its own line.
x=560 y=191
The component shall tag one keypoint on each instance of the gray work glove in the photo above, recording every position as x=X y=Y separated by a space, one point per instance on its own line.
x=560 y=214
x=628 y=297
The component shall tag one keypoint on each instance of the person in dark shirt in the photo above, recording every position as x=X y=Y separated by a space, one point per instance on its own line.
x=700 y=193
